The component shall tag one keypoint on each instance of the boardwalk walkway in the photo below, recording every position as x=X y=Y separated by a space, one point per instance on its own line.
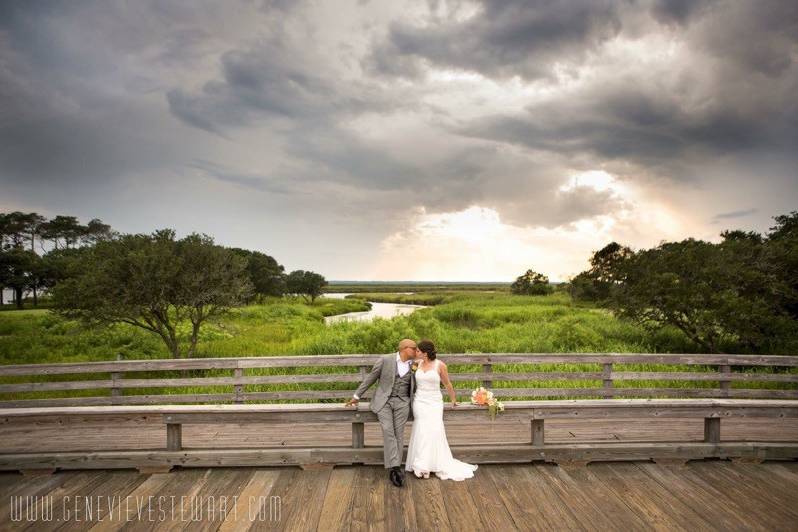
x=707 y=495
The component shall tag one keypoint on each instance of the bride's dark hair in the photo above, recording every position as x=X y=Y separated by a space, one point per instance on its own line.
x=429 y=348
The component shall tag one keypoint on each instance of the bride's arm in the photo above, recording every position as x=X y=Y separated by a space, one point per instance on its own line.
x=444 y=373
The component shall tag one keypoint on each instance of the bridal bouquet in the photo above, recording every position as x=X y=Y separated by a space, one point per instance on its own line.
x=484 y=397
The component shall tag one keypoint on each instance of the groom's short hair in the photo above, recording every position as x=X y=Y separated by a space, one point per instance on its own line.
x=403 y=343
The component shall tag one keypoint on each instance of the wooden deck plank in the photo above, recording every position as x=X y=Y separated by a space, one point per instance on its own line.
x=523 y=510
x=431 y=511
x=400 y=507
x=276 y=512
x=182 y=484
x=463 y=512
x=63 y=495
x=716 y=495
x=377 y=493
x=745 y=487
x=151 y=484
x=486 y=496
x=303 y=502
x=118 y=483
x=29 y=487
x=589 y=515
x=337 y=503
x=358 y=506
x=686 y=516
x=594 y=491
x=250 y=500
x=554 y=509
x=216 y=498
x=638 y=499
x=695 y=493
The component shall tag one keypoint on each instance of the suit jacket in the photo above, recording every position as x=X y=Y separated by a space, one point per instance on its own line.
x=384 y=370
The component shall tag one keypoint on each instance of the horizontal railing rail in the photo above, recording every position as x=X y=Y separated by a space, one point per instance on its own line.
x=534 y=414
x=510 y=375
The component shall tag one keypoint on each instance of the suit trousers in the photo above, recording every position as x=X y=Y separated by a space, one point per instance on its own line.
x=393 y=417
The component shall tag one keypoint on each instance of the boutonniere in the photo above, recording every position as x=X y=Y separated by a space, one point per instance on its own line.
x=414 y=366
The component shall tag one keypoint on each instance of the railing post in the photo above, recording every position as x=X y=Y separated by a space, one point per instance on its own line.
x=116 y=392
x=174 y=436
x=725 y=384
x=537 y=432
x=487 y=368
x=239 y=388
x=358 y=435
x=712 y=429
x=607 y=381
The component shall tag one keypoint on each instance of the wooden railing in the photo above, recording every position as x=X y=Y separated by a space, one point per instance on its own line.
x=533 y=414
x=320 y=378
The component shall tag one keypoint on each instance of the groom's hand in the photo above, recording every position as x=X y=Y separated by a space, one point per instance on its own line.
x=351 y=402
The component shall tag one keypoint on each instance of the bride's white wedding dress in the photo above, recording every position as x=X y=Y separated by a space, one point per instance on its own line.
x=428 y=451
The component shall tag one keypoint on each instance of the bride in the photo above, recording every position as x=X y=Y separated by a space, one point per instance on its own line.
x=428 y=451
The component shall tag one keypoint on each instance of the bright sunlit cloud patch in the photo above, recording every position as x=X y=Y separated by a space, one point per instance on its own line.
x=474 y=244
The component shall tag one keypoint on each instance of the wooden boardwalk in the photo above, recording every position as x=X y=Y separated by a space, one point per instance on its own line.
x=706 y=495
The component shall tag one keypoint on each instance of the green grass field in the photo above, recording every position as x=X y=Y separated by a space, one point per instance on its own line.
x=460 y=322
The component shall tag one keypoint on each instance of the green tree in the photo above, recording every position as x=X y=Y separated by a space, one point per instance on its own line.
x=717 y=294
x=307 y=284
x=18 y=269
x=531 y=283
x=781 y=262
x=155 y=282
x=63 y=231
x=267 y=275
x=604 y=276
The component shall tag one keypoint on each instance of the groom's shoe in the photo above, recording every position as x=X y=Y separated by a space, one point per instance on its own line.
x=396 y=477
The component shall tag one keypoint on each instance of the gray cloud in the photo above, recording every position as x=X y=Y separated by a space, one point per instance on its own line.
x=734 y=214
x=503 y=39
x=294 y=115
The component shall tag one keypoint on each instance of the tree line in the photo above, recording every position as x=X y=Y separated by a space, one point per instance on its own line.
x=740 y=293
x=33 y=250
x=157 y=282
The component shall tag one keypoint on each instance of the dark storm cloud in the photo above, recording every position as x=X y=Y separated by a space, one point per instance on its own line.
x=279 y=97
x=507 y=38
x=733 y=97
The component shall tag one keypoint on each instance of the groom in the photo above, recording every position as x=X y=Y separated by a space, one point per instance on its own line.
x=392 y=402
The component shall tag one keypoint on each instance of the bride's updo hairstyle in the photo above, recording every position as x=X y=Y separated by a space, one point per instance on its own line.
x=429 y=348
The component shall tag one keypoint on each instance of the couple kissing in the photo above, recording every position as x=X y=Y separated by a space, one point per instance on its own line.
x=409 y=381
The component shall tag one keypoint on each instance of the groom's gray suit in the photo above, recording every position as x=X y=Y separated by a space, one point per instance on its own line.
x=392 y=402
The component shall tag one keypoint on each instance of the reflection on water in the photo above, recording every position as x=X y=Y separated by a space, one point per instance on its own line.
x=378 y=310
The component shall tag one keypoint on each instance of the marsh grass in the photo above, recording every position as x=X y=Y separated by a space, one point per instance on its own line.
x=462 y=322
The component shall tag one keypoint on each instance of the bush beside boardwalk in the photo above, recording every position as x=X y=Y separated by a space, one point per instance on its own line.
x=463 y=322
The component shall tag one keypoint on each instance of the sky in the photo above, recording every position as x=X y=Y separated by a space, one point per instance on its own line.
x=404 y=140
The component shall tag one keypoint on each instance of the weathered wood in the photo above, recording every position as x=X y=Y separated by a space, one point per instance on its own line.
x=42 y=471
x=537 y=432
x=607 y=380
x=712 y=429
x=620 y=408
x=479 y=454
x=116 y=392
x=174 y=436
x=335 y=510
x=358 y=435
x=125 y=366
x=487 y=381
x=725 y=384
x=238 y=388
x=704 y=376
